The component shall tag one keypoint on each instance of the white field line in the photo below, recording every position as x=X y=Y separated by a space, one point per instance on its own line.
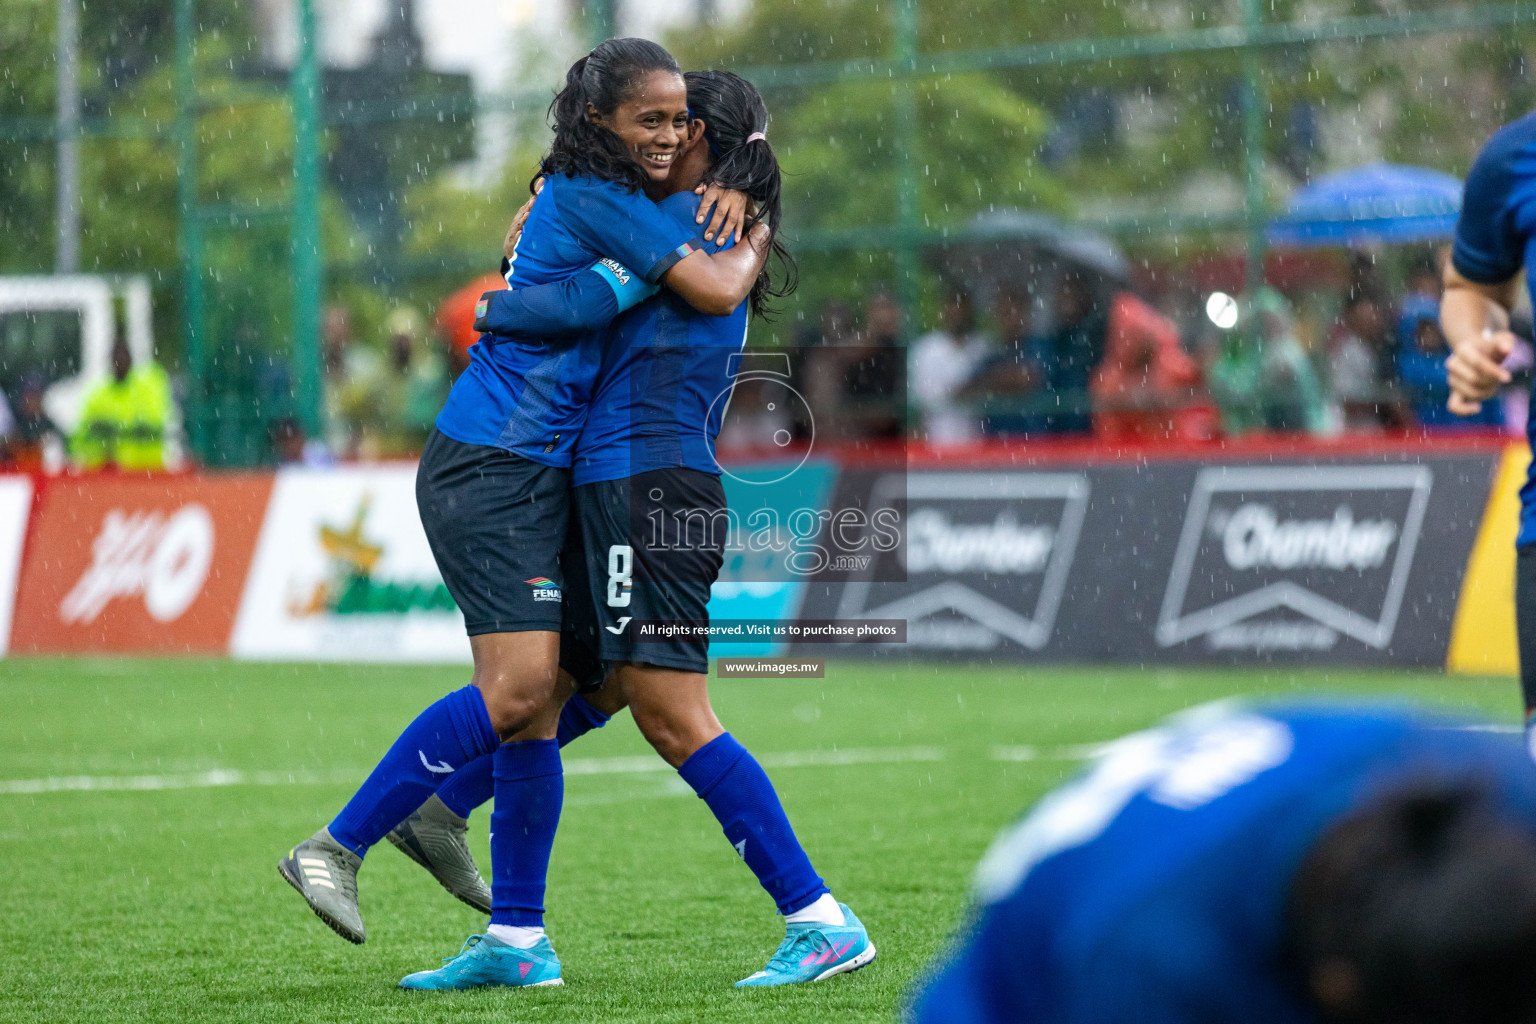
x=1071 y=752
x=574 y=766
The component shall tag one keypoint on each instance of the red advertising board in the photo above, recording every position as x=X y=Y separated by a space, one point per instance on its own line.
x=146 y=564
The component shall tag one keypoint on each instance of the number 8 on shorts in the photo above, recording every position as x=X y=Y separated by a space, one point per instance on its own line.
x=620 y=568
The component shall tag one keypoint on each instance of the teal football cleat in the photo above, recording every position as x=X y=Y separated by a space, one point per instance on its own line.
x=813 y=952
x=485 y=961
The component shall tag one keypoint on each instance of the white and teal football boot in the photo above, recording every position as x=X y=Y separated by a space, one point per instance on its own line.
x=815 y=952
x=486 y=961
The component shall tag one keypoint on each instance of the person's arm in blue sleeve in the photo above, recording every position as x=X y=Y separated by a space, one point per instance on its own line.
x=583 y=302
x=636 y=232
x=1480 y=282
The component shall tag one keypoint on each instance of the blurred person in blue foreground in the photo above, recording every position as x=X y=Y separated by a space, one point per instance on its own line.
x=1277 y=865
x=1495 y=232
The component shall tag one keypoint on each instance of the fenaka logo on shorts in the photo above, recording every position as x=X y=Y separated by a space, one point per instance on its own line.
x=1293 y=558
x=163 y=559
x=987 y=559
x=544 y=589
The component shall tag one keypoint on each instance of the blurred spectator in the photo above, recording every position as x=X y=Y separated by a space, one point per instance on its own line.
x=1262 y=378
x=1355 y=363
x=853 y=378
x=34 y=443
x=289 y=447
x=415 y=385
x=941 y=364
x=1424 y=276
x=7 y=427
x=877 y=378
x=125 y=420
x=761 y=416
x=354 y=399
x=1421 y=355
x=1070 y=352
x=1009 y=380
x=455 y=318
x=1145 y=386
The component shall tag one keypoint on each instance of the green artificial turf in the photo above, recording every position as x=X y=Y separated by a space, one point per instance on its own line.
x=166 y=904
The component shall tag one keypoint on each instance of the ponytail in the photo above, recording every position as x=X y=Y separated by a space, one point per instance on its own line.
x=735 y=126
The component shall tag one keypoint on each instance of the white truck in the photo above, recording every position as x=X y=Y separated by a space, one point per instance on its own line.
x=61 y=328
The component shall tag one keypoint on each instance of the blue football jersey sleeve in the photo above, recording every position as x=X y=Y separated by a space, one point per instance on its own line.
x=626 y=227
x=1491 y=236
x=582 y=303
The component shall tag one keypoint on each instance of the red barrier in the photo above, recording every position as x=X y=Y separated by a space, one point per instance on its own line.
x=143 y=564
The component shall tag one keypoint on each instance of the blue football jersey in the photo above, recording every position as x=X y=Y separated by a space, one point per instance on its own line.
x=530 y=393
x=1496 y=237
x=665 y=381
x=1151 y=889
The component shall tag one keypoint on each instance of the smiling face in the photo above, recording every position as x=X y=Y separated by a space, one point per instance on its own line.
x=652 y=122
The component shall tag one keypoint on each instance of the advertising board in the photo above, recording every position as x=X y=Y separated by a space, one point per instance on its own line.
x=1328 y=560
x=138 y=563
x=15 y=510
x=343 y=572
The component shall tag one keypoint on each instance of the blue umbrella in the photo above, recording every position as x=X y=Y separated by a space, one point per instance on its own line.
x=1376 y=203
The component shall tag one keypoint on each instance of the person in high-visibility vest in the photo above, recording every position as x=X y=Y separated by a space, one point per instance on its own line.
x=125 y=418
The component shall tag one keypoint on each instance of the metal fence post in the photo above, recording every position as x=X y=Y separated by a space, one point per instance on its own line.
x=304 y=226
x=908 y=211
x=189 y=227
x=66 y=258
x=602 y=17
x=1253 y=148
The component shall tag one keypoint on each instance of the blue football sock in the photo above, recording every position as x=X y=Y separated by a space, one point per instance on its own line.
x=529 y=791
x=578 y=718
x=446 y=736
x=737 y=789
x=475 y=783
x=470 y=786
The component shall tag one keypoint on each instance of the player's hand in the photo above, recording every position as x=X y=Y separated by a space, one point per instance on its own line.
x=758 y=237
x=732 y=209
x=519 y=219
x=1475 y=370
